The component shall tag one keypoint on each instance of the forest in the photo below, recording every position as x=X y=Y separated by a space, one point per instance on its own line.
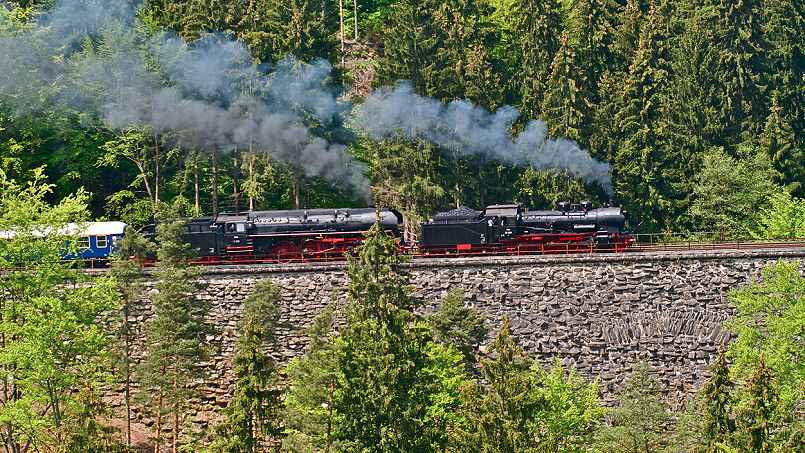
x=687 y=114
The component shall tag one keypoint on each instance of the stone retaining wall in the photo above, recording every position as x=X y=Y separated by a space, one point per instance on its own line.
x=601 y=313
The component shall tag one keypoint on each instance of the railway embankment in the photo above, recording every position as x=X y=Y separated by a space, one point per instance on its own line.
x=601 y=313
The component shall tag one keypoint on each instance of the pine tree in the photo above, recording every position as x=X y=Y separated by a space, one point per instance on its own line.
x=459 y=326
x=784 y=21
x=531 y=29
x=638 y=172
x=567 y=104
x=411 y=42
x=175 y=336
x=593 y=25
x=743 y=65
x=300 y=28
x=382 y=402
x=780 y=142
x=716 y=396
x=312 y=382
x=404 y=176
x=640 y=421
x=498 y=416
x=127 y=269
x=755 y=420
x=253 y=414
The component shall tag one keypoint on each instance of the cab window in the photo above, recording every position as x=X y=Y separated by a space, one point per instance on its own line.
x=83 y=243
x=241 y=227
x=100 y=242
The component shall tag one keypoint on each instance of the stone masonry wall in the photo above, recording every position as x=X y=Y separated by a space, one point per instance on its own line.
x=601 y=313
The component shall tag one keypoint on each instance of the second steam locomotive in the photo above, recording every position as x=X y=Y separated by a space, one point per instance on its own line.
x=328 y=234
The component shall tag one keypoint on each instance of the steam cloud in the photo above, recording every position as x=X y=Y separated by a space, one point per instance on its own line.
x=468 y=129
x=211 y=95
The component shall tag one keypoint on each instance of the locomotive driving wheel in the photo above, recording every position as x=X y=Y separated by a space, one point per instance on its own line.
x=287 y=250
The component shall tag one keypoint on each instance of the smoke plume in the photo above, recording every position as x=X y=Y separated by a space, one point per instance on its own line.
x=205 y=95
x=467 y=129
x=210 y=95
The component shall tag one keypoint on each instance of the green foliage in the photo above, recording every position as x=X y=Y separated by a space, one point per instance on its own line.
x=383 y=398
x=755 y=418
x=769 y=321
x=522 y=407
x=783 y=218
x=458 y=326
x=253 y=413
x=405 y=178
x=639 y=422
x=52 y=346
x=312 y=382
x=717 y=393
x=730 y=193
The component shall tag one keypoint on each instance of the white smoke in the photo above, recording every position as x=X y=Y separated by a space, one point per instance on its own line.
x=472 y=130
x=210 y=93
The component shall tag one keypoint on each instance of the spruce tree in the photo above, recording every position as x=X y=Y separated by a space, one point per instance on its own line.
x=784 y=21
x=531 y=30
x=567 y=104
x=382 y=402
x=175 y=336
x=312 y=382
x=717 y=394
x=593 y=25
x=780 y=142
x=127 y=269
x=411 y=42
x=499 y=415
x=459 y=326
x=743 y=65
x=253 y=414
x=638 y=172
x=755 y=419
x=299 y=28
x=639 y=423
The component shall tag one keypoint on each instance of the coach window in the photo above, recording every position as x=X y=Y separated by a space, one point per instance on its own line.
x=100 y=242
x=83 y=243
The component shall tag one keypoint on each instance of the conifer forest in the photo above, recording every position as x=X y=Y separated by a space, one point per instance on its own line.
x=690 y=115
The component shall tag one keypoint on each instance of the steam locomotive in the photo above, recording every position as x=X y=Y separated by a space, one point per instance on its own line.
x=509 y=229
x=328 y=234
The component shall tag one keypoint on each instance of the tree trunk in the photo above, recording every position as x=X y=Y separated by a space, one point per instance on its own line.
x=341 y=18
x=127 y=346
x=355 y=13
x=158 y=442
x=214 y=181
x=196 y=191
x=251 y=178
x=297 y=189
x=175 y=442
x=156 y=168
x=235 y=193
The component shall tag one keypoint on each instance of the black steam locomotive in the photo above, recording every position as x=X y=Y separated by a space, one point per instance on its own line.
x=328 y=234
x=270 y=236
x=509 y=229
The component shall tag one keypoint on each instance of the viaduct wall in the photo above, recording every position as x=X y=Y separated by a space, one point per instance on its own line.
x=601 y=313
